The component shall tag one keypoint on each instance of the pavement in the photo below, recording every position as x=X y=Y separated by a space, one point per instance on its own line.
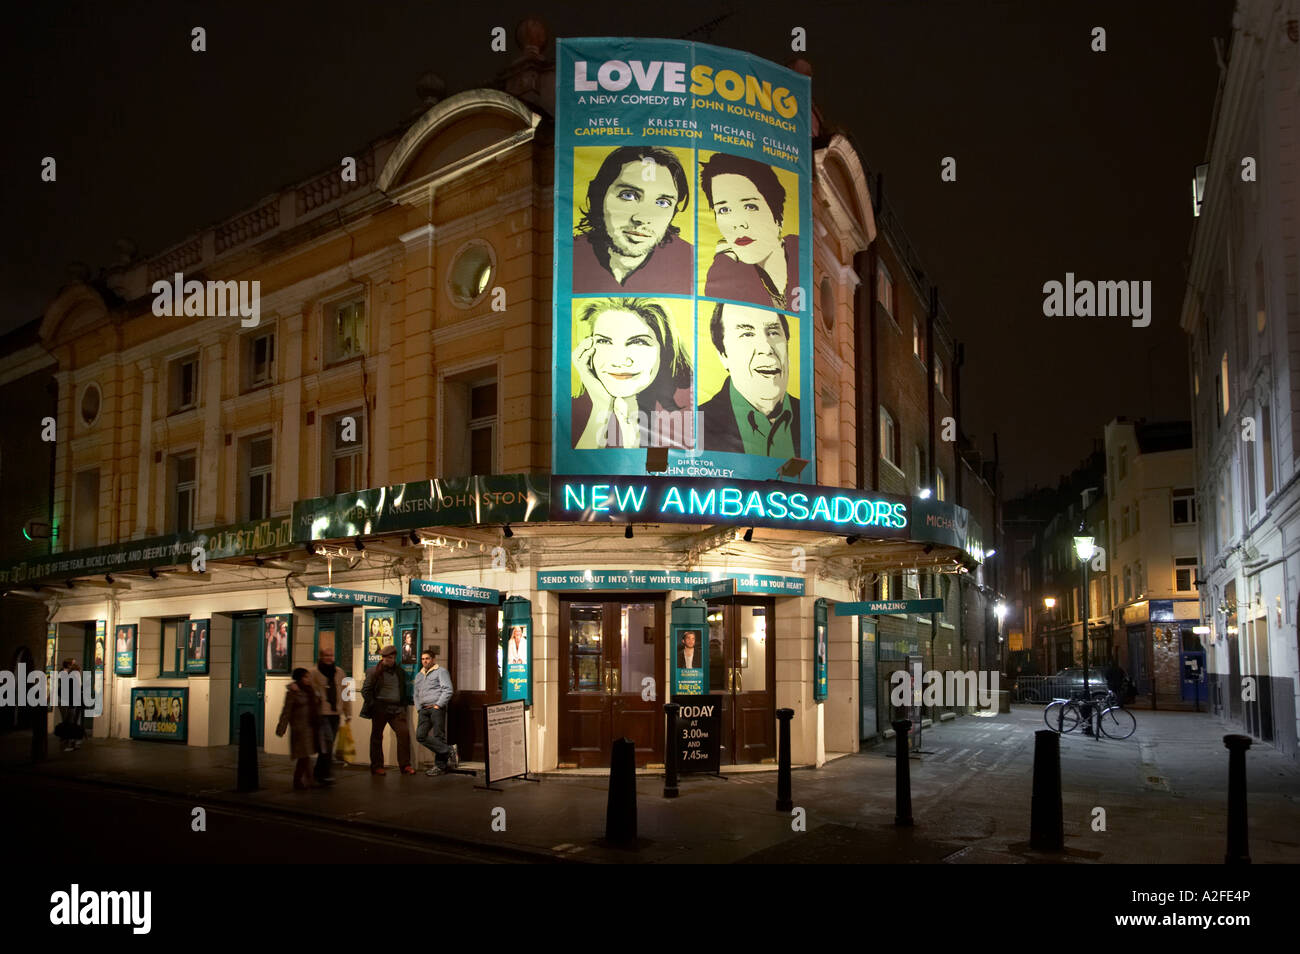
x=1163 y=793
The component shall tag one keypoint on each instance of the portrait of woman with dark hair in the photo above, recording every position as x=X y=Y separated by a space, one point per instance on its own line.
x=635 y=376
x=752 y=262
x=625 y=242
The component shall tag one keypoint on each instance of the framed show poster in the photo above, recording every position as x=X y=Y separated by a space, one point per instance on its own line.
x=196 y=646
x=278 y=633
x=101 y=644
x=518 y=654
x=820 y=652
x=379 y=633
x=124 y=650
x=160 y=714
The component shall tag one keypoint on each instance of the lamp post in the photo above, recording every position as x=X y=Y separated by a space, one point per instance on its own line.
x=1049 y=603
x=1000 y=611
x=1084 y=548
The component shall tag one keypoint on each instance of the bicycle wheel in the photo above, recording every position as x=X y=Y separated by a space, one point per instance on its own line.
x=1118 y=723
x=1071 y=718
x=1052 y=715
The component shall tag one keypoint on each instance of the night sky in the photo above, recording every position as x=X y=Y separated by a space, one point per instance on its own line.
x=1067 y=160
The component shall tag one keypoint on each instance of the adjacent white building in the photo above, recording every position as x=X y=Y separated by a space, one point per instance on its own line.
x=1241 y=310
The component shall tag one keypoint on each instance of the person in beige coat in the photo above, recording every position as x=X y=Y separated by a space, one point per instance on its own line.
x=327 y=680
x=301 y=715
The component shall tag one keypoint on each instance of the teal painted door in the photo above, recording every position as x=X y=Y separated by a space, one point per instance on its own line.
x=248 y=691
x=867 y=679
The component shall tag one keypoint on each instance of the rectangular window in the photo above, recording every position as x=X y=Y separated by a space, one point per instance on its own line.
x=1223 y=384
x=1124 y=525
x=1184 y=500
x=1266 y=447
x=85 y=510
x=938 y=375
x=255 y=477
x=184 y=492
x=172 y=661
x=916 y=338
x=884 y=288
x=345 y=330
x=1123 y=462
x=259 y=360
x=940 y=485
x=470 y=423
x=1128 y=584
x=183 y=384
x=1261 y=313
x=888 y=438
x=1137 y=517
x=1184 y=574
x=918 y=466
x=1251 y=498
x=343 y=456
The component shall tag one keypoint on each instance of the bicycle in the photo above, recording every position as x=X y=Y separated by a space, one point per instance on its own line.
x=1103 y=713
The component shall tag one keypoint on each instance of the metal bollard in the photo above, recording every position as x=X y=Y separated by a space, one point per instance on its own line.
x=1238 y=836
x=620 y=810
x=247 y=779
x=902 y=776
x=1046 y=815
x=784 y=798
x=40 y=734
x=670 y=755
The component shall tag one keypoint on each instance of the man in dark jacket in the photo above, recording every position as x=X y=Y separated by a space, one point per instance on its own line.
x=386 y=696
x=753 y=413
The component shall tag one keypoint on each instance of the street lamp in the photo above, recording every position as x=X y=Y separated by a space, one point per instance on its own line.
x=1084 y=548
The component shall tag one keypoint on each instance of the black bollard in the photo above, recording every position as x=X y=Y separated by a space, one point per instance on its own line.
x=620 y=811
x=784 y=798
x=247 y=753
x=1046 y=816
x=40 y=734
x=1238 y=836
x=902 y=776
x=670 y=770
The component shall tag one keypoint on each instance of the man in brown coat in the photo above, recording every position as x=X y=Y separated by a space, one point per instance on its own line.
x=387 y=697
x=327 y=680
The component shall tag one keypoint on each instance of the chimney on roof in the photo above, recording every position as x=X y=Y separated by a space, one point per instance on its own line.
x=531 y=77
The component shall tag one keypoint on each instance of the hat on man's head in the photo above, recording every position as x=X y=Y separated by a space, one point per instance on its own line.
x=389 y=650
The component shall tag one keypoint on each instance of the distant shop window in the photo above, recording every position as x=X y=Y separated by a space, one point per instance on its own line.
x=91 y=399
x=183 y=384
x=1184 y=505
x=1184 y=573
x=343 y=459
x=889 y=449
x=470 y=423
x=183 y=478
x=255 y=477
x=85 y=510
x=259 y=360
x=345 y=330
x=471 y=273
x=828 y=304
x=171 y=660
x=885 y=288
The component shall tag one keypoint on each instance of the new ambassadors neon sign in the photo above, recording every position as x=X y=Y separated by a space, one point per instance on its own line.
x=757 y=503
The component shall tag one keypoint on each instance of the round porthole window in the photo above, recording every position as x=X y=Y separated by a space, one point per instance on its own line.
x=471 y=273
x=90 y=401
x=828 y=304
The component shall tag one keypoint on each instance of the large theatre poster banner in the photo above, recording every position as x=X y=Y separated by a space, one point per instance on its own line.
x=683 y=260
x=160 y=713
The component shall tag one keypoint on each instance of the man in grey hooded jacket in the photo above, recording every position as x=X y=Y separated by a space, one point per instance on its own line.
x=432 y=693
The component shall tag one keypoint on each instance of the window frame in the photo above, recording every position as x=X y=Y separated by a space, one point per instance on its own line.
x=177 y=650
x=329 y=425
x=893 y=441
x=174 y=489
x=248 y=350
x=175 y=387
x=1187 y=494
x=247 y=472
x=329 y=315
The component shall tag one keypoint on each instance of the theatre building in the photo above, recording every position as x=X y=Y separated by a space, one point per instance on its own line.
x=375 y=459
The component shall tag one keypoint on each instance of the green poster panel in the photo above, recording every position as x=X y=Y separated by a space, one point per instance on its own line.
x=689 y=647
x=517 y=650
x=407 y=639
x=820 y=651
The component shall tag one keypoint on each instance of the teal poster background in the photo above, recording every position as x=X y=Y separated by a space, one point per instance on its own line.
x=648 y=246
x=101 y=644
x=196 y=646
x=124 y=648
x=517 y=650
x=689 y=615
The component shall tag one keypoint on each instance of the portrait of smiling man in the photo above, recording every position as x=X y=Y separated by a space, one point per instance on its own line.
x=753 y=412
x=625 y=241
